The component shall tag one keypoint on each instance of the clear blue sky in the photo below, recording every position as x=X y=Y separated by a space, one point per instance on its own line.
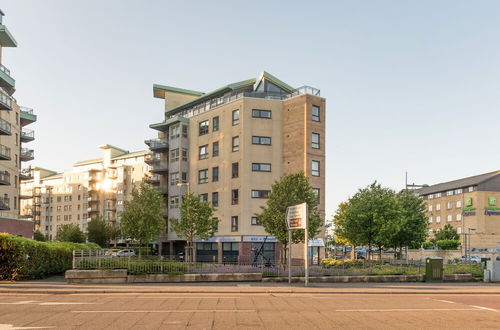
x=410 y=85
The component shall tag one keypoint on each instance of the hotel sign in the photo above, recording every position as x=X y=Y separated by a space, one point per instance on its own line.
x=492 y=201
x=296 y=216
x=468 y=202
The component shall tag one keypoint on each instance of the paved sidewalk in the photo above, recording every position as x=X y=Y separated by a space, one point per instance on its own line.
x=58 y=285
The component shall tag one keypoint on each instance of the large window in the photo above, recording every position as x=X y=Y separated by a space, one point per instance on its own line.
x=184 y=131
x=317 y=194
x=235 y=170
x=203 y=128
x=257 y=113
x=236 y=117
x=234 y=197
x=234 y=223
x=175 y=132
x=315 y=113
x=264 y=140
x=215 y=199
x=204 y=197
x=261 y=167
x=215 y=124
x=215 y=149
x=174 y=155
x=260 y=193
x=215 y=174
x=184 y=154
x=255 y=221
x=203 y=152
x=174 y=202
x=174 y=178
x=315 y=168
x=315 y=140
x=203 y=176
x=236 y=143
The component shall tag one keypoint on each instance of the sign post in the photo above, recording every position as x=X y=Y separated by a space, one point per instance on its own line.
x=296 y=218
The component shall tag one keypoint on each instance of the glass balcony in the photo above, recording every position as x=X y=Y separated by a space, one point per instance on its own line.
x=5 y=100
x=4 y=152
x=6 y=80
x=157 y=144
x=151 y=159
x=27 y=154
x=26 y=174
x=27 y=135
x=4 y=204
x=161 y=166
x=5 y=127
x=27 y=117
x=154 y=179
x=5 y=178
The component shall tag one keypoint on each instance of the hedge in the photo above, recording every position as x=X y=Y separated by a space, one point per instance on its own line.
x=23 y=259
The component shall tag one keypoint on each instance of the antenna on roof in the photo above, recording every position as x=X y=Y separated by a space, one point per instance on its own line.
x=412 y=186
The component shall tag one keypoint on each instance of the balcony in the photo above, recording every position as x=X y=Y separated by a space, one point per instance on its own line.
x=6 y=81
x=26 y=174
x=4 y=178
x=162 y=189
x=92 y=209
x=5 y=127
x=160 y=167
x=4 y=204
x=150 y=159
x=157 y=145
x=27 y=117
x=5 y=100
x=154 y=180
x=27 y=154
x=4 y=152
x=27 y=135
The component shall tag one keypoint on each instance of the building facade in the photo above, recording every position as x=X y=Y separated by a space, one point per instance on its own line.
x=96 y=187
x=13 y=137
x=228 y=147
x=470 y=205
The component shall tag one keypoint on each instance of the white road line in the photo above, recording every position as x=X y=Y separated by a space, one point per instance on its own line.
x=182 y=297
x=34 y=302
x=486 y=308
x=11 y=327
x=445 y=301
x=406 y=309
x=177 y=311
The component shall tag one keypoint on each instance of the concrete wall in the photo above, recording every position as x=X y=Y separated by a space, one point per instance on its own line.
x=17 y=227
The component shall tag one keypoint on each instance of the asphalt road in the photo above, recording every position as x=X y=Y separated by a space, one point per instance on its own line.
x=248 y=311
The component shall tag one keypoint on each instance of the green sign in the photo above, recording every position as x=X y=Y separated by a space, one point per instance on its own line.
x=468 y=201
x=492 y=201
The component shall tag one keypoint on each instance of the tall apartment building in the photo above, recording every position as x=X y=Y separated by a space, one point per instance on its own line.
x=13 y=136
x=469 y=205
x=91 y=188
x=228 y=146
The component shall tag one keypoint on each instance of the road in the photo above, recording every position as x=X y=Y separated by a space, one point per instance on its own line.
x=237 y=310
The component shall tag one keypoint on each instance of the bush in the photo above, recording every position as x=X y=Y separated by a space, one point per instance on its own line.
x=448 y=244
x=427 y=244
x=334 y=263
x=22 y=258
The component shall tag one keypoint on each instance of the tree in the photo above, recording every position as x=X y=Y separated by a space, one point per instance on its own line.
x=114 y=232
x=142 y=217
x=196 y=222
x=339 y=220
x=291 y=189
x=70 y=233
x=38 y=236
x=448 y=232
x=98 y=231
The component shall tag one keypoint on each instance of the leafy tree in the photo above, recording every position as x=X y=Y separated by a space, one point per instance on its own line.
x=291 y=189
x=70 y=233
x=38 y=236
x=98 y=231
x=448 y=244
x=196 y=222
x=142 y=217
x=114 y=232
x=448 y=232
x=339 y=220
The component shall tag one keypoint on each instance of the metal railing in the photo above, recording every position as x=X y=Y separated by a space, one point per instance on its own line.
x=26 y=110
x=157 y=143
x=5 y=177
x=4 y=151
x=27 y=153
x=28 y=134
x=4 y=69
x=5 y=99
x=5 y=126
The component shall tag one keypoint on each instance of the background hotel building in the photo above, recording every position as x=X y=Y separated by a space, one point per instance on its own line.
x=91 y=188
x=228 y=146
x=13 y=136
x=470 y=205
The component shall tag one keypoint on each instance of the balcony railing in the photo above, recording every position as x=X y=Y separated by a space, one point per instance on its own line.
x=5 y=101
x=27 y=154
x=4 y=178
x=4 y=204
x=27 y=135
x=154 y=179
x=4 y=69
x=157 y=144
x=26 y=174
x=27 y=116
x=160 y=166
x=5 y=127
x=4 y=152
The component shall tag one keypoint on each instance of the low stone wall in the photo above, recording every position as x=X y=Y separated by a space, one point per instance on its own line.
x=351 y=279
x=458 y=278
x=96 y=276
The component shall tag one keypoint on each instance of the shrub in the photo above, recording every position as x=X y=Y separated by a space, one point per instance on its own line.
x=448 y=244
x=427 y=244
x=22 y=258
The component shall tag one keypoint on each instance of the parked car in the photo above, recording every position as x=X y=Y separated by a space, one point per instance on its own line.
x=473 y=259
x=124 y=253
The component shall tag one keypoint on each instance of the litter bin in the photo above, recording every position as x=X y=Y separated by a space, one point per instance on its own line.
x=434 y=269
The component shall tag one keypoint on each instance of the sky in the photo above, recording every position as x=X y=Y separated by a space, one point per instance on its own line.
x=411 y=86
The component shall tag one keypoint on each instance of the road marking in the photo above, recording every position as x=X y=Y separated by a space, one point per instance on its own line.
x=177 y=311
x=407 y=309
x=11 y=327
x=445 y=301
x=182 y=297
x=35 y=302
x=24 y=302
x=486 y=308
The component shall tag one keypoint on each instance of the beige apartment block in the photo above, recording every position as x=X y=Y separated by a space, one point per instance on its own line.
x=228 y=147
x=92 y=188
x=13 y=137
x=470 y=205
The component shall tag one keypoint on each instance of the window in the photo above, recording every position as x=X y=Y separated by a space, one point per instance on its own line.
x=459 y=217
x=458 y=191
x=203 y=152
x=59 y=198
x=431 y=196
x=448 y=206
x=215 y=123
x=203 y=197
x=215 y=174
x=184 y=154
x=235 y=170
x=215 y=149
x=184 y=131
x=203 y=127
x=315 y=168
x=449 y=217
x=174 y=202
x=260 y=193
x=438 y=207
x=449 y=193
x=315 y=140
x=264 y=140
x=203 y=176
x=175 y=132
x=256 y=113
x=470 y=189
x=459 y=204
x=215 y=199
x=438 y=219
x=236 y=143
x=459 y=230
x=317 y=193
x=174 y=155
x=430 y=208
x=438 y=195
x=174 y=178
x=255 y=221
x=234 y=196
x=261 y=167
x=236 y=117
x=430 y=219
x=315 y=113
x=184 y=177
x=234 y=223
